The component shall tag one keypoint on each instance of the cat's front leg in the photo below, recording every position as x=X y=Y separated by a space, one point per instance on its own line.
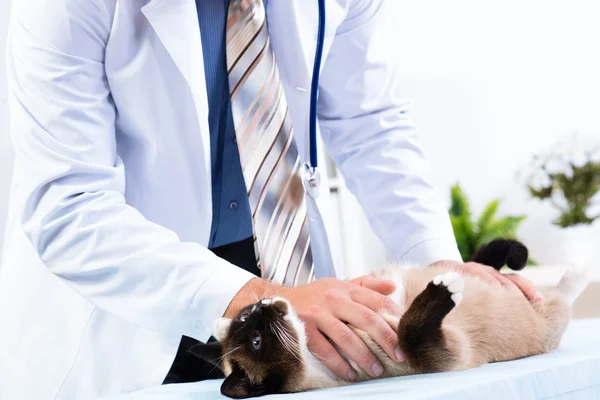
x=429 y=345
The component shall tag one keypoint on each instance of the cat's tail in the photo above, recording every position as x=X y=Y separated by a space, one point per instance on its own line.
x=501 y=252
x=573 y=283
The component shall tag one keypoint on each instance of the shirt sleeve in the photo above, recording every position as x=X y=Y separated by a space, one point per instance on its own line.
x=72 y=181
x=368 y=130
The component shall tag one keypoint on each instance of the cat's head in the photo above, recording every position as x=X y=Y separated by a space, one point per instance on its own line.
x=260 y=350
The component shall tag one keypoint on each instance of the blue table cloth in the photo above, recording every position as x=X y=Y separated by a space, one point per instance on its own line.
x=571 y=372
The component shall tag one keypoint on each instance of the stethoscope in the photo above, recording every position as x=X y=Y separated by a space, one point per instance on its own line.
x=311 y=178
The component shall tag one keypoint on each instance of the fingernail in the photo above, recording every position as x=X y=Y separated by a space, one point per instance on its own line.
x=400 y=356
x=351 y=375
x=539 y=296
x=377 y=369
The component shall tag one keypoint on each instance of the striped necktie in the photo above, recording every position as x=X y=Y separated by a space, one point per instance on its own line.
x=268 y=152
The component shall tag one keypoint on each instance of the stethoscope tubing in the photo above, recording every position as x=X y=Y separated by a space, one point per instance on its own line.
x=311 y=179
x=314 y=90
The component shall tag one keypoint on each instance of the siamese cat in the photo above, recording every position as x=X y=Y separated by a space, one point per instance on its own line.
x=451 y=322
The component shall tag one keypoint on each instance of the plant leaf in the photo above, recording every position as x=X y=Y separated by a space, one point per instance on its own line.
x=485 y=220
x=460 y=216
x=470 y=236
x=542 y=194
x=464 y=236
x=460 y=203
x=503 y=228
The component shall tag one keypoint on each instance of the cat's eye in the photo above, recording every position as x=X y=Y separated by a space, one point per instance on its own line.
x=256 y=341
x=244 y=317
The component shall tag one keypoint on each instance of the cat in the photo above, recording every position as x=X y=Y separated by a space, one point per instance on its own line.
x=451 y=322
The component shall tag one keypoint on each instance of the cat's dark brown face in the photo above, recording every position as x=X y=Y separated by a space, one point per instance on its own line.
x=259 y=350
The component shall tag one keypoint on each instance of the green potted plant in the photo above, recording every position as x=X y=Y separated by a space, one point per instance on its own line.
x=567 y=177
x=471 y=234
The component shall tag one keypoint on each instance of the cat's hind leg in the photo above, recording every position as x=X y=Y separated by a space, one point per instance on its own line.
x=554 y=313
x=554 y=310
x=573 y=283
x=429 y=345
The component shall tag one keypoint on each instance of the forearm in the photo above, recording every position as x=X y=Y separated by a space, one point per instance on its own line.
x=369 y=132
x=72 y=185
x=107 y=252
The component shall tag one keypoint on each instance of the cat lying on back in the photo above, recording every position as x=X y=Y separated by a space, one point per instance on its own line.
x=452 y=322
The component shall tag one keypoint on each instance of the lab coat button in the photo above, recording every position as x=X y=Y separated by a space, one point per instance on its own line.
x=199 y=325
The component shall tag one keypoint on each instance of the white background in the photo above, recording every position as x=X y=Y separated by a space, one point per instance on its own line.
x=491 y=83
x=6 y=157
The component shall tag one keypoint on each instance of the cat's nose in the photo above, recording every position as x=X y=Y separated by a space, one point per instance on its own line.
x=259 y=307
x=262 y=304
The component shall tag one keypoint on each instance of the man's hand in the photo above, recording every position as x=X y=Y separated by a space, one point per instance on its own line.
x=326 y=305
x=493 y=277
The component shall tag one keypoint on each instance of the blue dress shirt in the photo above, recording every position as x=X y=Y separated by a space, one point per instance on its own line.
x=232 y=218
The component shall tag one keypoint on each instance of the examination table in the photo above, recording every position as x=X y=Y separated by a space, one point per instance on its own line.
x=570 y=372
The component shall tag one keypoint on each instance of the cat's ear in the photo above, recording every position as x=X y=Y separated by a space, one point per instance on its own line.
x=210 y=352
x=238 y=386
x=220 y=328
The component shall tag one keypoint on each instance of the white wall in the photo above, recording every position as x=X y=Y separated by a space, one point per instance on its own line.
x=491 y=83
x=6 y=156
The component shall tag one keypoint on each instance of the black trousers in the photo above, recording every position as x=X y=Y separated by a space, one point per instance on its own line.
x=187 y=367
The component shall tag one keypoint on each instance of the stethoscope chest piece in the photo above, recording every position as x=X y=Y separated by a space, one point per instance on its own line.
x=311 y=180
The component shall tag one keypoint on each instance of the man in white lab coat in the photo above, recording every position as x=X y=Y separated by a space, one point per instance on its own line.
x=129 y=222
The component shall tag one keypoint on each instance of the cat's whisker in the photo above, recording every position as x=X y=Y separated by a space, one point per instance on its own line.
x=255 y=295
x=220 y=359
x=285 y=338
x=229 y=352
x=278 y=332
x=272 y=292
x=318 y=357
x=281 y=340
x=288 y=336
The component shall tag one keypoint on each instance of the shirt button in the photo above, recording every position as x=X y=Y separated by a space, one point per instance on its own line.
x=233 y=205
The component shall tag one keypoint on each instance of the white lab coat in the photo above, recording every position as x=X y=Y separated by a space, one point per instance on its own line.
x=105 y=264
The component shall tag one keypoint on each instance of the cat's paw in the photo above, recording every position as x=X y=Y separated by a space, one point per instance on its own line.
x=454 y=283
x=439 y=297
x=573 y=283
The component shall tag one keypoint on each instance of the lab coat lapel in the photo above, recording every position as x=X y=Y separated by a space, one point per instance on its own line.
x=292 y=24
x=176 y=25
